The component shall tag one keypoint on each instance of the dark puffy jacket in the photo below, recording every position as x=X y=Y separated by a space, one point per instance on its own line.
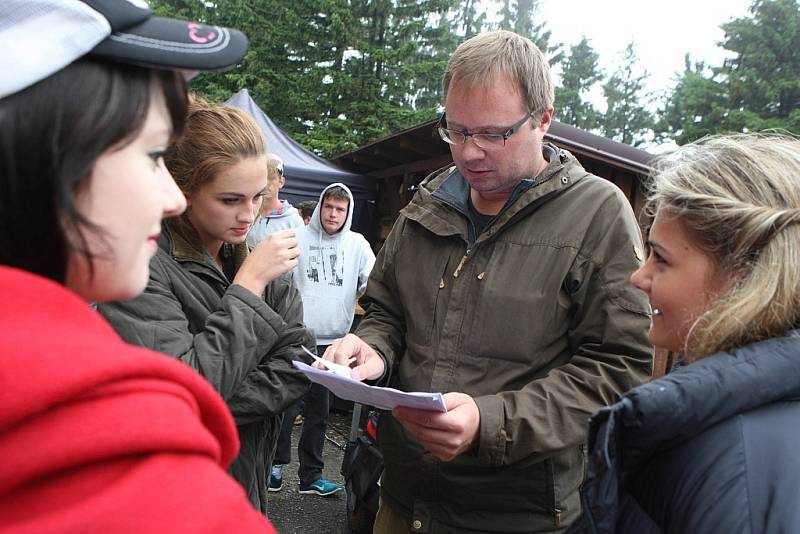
x=241 y=343
x=711 y=447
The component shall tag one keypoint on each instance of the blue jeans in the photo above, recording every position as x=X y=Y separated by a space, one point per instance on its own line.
x=316 y=406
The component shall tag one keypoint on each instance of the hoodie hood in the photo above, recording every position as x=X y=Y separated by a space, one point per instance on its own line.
x=316 y=223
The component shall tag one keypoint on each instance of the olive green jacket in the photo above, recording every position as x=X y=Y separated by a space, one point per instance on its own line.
x=241 y=343
x=535 y=319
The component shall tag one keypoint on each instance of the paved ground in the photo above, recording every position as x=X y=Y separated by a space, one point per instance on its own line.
x=293 y=513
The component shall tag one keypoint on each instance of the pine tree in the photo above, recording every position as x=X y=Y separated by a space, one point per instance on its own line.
x=334 y=74
x=763 y=77
x=579 y=73
x=627 y=119
x=391 y=77
x=469 y=20
x=697 y=106
x=756 y=88
x=518 y=16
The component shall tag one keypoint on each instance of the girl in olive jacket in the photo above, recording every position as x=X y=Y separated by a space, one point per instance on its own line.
x=234 y=315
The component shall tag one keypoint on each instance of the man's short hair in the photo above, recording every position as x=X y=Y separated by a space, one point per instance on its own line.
x=490 y=55
x=306 y=207
x=337 y=193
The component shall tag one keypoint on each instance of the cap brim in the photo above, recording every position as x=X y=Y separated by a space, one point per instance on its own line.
x=173 y=44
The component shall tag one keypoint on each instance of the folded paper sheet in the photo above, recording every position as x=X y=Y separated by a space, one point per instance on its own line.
x=384 y=398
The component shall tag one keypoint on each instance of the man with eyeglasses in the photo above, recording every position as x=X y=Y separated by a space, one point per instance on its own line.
x=503 y=284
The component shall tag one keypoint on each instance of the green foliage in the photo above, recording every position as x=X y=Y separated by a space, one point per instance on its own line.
x=697 y=107
x=763 y=79
x=758 y=88
x=579 y=74
x=627 y=118
x=338 y=74
x=334 y=74
x=469 y=20
x=518 y=16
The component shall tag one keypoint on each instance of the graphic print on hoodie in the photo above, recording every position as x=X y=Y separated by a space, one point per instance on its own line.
x=323 y=264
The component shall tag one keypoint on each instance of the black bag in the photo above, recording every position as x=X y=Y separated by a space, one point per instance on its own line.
x=362 y=467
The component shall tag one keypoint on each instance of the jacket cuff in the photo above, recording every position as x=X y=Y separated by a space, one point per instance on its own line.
x=382 y=380
x=492 y=437
x=377 y=344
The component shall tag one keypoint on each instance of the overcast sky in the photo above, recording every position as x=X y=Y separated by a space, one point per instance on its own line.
x=664 y=31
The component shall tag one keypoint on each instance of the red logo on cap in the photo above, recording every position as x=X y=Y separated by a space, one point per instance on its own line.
x=196 y=32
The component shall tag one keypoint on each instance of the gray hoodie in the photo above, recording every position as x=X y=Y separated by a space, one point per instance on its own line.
x=332 y=271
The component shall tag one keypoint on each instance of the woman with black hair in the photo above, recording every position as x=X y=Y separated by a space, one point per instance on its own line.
x=97 y=435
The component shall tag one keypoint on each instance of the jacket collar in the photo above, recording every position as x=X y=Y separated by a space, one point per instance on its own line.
x=181 y=241
x=449 y=187
x=455 y=190
x=707 y=391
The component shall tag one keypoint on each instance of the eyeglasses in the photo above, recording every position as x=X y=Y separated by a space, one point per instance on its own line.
x=487 y=141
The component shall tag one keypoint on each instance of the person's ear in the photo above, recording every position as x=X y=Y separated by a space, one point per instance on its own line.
x=546 y=120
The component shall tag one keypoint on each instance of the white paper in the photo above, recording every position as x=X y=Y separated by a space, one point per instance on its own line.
x=384 y=398
x=337 y=368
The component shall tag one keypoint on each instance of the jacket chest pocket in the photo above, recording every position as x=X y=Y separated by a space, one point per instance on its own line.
x=518 y=309
x=421 y=277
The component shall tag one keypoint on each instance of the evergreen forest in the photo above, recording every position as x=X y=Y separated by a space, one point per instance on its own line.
x=337 y=74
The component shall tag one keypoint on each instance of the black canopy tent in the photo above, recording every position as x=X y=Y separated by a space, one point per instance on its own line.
x=308 y=174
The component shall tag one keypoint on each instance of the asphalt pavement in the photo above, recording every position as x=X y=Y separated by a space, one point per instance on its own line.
x=294 y=513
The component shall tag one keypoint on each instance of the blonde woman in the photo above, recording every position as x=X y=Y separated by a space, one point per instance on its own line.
x=712 y=446
x=233 y=314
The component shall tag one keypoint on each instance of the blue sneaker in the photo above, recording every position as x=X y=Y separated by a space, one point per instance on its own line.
x=320 y=487
x=276 y=478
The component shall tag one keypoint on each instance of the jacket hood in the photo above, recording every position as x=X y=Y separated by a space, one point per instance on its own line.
x=316 y=226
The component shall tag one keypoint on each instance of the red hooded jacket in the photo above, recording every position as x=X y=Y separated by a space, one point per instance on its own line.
x=100 y=436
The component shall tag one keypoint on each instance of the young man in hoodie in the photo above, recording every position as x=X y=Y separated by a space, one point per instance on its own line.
x=275 y=214
x=333 y=269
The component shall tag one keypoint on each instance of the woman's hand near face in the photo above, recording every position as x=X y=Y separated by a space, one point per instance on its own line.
x=275 y=255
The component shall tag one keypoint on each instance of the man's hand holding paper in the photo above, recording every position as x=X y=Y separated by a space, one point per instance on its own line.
x=367 y=365
x=446 y=434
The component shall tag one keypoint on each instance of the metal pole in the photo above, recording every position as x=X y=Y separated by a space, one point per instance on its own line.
x=356 y=421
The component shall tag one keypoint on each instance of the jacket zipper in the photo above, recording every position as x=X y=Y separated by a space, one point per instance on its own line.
x=456 y=207
x=551 y=479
